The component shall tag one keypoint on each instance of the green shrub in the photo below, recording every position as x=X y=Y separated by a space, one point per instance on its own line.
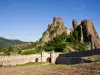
x=45 y=33
x=10 y=49
x=81 y=47
x=59 y=43
x=28 y=52
x=19 y=51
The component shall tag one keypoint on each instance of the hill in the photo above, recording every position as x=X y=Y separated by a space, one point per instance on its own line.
x=81 y=37
x=59 y=38
x=4 y=43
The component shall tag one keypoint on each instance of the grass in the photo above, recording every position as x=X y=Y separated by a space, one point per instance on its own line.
x=94 y=57
x=52 y=69
x=30 y=63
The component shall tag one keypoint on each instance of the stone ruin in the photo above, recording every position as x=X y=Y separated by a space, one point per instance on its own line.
x=43 y=57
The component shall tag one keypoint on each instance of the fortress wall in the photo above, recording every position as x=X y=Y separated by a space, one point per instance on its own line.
x=45 y=56
x=22 y=59
x=51 y=57
x=54 y=57
x=19 y=59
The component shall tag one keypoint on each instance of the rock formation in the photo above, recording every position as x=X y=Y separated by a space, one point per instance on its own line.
x=74 y=23
x=54 y=29
x=86 y=32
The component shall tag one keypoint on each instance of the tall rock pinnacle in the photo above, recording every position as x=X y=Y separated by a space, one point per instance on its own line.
x=86 y=32
x=89 y=34
x=74 y=23
x=54 y=29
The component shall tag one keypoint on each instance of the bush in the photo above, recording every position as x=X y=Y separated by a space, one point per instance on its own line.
x=80 y=47
x=45 y=33
x=28 y=52
x=59 y=43
x=3 y=49
x=19 y=51
x=10 y=49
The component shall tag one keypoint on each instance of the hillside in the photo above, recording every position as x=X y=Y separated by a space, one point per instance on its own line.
x=4 y=43
x=59 y=38
x=81 y=37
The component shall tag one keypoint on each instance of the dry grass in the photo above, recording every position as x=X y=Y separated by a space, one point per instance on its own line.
x=52 y=69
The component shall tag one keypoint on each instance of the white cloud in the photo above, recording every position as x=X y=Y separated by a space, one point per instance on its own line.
x=23 y=38
x=7 y=37
x=11 y=37
x=18 y=37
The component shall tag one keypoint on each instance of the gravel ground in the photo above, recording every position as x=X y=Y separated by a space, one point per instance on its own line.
x=52 y=69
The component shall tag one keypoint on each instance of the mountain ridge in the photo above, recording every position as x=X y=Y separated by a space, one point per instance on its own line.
x=4 y=43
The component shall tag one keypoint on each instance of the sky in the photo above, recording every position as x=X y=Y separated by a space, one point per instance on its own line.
x=26 y=20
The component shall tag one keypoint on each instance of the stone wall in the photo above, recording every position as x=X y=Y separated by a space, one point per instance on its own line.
x=51 y=57
x=19 y=59
x=22 y=59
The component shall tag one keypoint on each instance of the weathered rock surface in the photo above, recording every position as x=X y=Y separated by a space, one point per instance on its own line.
x=86 y=31
x=74 y=22
x=88 y=34
x=54 y=29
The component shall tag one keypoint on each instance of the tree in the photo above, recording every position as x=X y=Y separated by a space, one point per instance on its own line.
x=10 y=49
x=59 y=43
x=6 y=52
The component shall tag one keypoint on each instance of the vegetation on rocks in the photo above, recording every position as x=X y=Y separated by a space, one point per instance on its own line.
x=60 y=43
x=58 y=38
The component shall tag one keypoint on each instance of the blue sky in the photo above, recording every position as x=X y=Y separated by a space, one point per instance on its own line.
x=28 y=19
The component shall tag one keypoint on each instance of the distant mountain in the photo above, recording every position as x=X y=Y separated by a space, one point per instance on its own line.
x=4 y=43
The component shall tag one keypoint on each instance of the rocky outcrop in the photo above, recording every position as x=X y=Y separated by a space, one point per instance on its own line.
x=88 y=34
x=56 y=28
x=74 y=23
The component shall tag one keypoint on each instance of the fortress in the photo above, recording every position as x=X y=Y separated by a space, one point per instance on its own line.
x=22 y=59
x=49 y=57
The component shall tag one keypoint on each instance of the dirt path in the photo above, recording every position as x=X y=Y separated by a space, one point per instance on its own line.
x=51 y=69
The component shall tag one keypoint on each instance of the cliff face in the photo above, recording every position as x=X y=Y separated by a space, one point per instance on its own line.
x=54 y=29
x=88 y=34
